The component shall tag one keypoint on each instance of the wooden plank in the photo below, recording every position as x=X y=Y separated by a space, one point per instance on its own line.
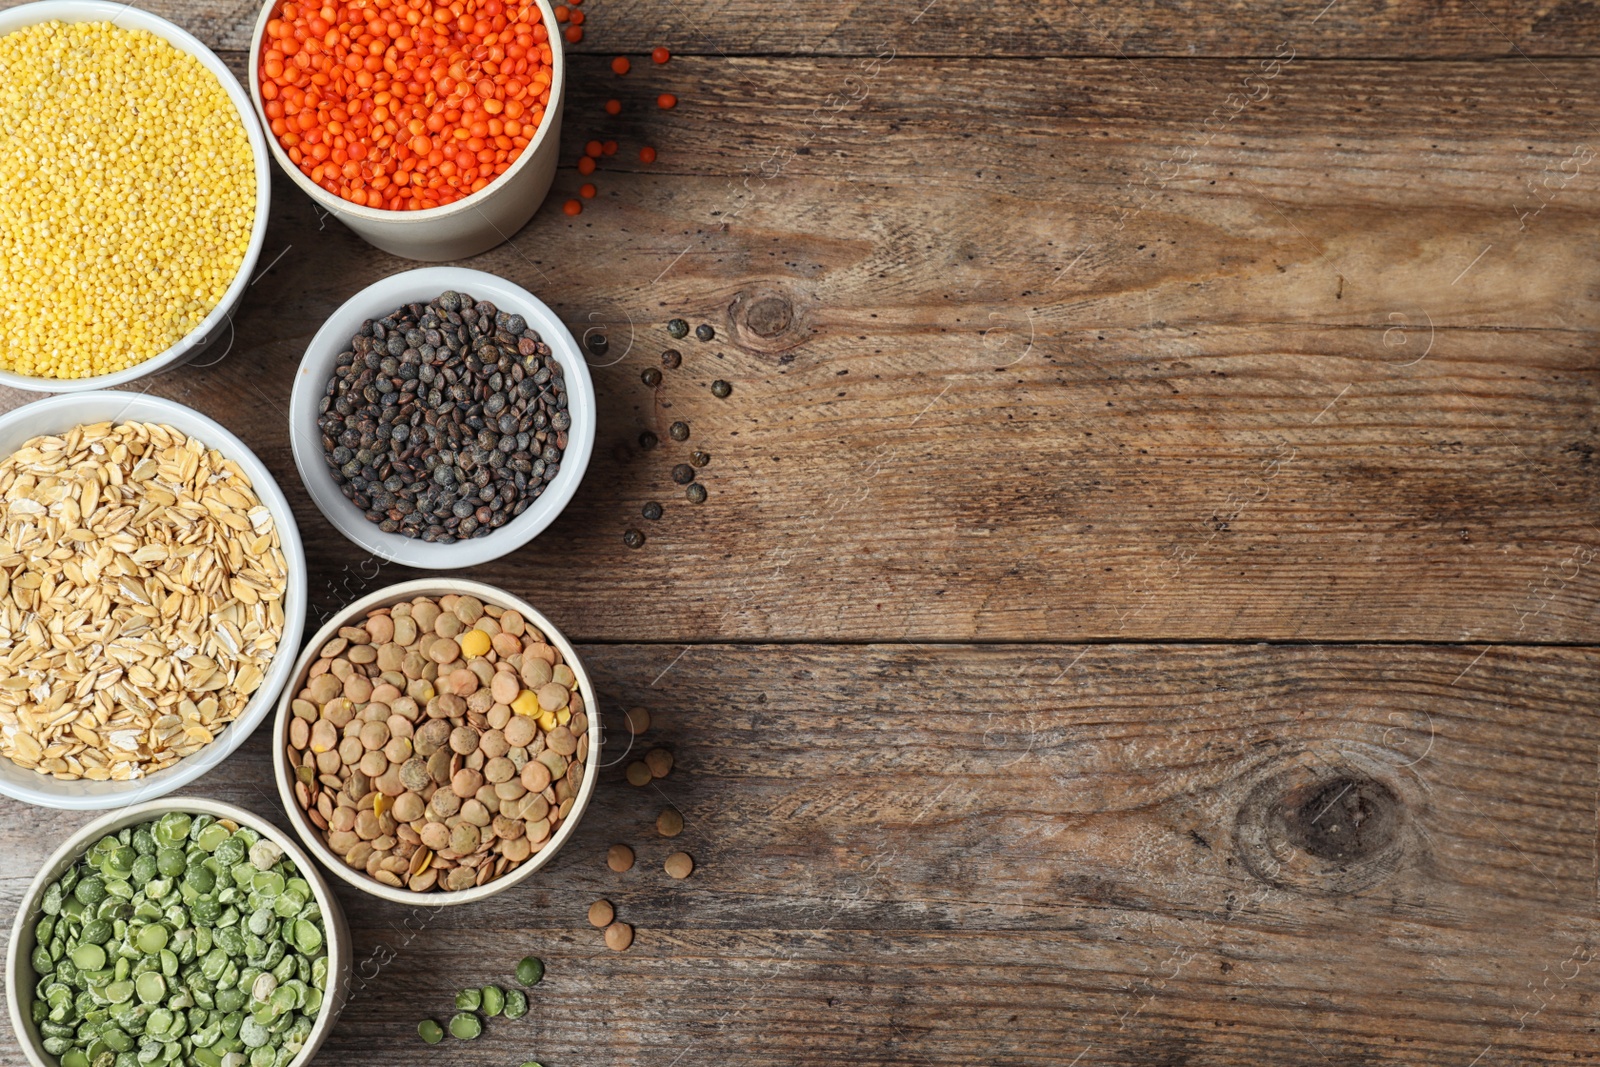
x=1106 y=371
x=1356 y=29
x=1097 y=854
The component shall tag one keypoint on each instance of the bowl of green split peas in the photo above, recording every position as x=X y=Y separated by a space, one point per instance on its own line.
x=178 y=931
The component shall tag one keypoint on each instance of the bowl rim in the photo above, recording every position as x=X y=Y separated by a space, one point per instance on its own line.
x=297 y=595
x=336 y=930
x=305 y=443
x=472 y=201
x=70 y=11
x=384 y=597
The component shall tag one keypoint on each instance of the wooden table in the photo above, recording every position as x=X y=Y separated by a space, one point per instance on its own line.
x=1145 y=608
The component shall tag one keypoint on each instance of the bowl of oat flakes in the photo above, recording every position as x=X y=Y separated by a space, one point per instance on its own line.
x=152 y=598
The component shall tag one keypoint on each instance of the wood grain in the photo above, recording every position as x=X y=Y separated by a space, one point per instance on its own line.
x=1017 y=854
x=1361 y=29
x=1112 y=370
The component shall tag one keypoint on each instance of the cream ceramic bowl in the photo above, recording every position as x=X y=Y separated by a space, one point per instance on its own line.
x=218 y=324
x=311 y=383
x=473 y=224
x=350 y=616
x=58 y=414
x=20 y=976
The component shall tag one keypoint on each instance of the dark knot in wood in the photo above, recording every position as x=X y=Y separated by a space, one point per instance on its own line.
x=768 y=321
x=1345 y=819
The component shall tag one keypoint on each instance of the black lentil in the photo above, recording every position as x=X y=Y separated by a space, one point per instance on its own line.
x=446 y=420
x=651 y=377
x=633 y=538
x=704 y=331
x=696 y=493
x=700 y=459
x=597 y=343
x=720 y=388
x=678 y=328
x=648 y=440
x=683 y=474
x=672 y=359
x=678 y=431
x=652 y=511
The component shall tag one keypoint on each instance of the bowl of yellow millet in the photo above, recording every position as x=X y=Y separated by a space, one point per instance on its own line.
x=134 y=187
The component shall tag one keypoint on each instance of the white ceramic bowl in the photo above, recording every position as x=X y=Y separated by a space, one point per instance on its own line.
x=394 y=594
x=473 y=224
x=378 y=300
x=58 y=414
x=219 y=323
x=20 y=976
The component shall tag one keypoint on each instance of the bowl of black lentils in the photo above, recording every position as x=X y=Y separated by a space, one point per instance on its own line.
x=442 y=417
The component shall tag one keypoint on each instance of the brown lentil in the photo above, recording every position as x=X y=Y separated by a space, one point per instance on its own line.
x=619 y=858
x=678 y=431
x=721 y=389
x=650 y=377
x=651 y=511
x=679 y=865
x=659 y=762
x=619 y=936
x=637 y=720
x=699 y=459
x=422 y=775
x=445 y=420
x=601 y=913
x=683 y=474
x=695 y=494
x=669 y=823
x=704 y=331
x=672 y=359
x=648 y=440
x=678 y=329
x=633 y=538
x=638 y=773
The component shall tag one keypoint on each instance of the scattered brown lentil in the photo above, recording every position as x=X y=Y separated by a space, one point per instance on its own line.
x=638 y=720
x=651 y=511
x=659 y=762
x=678 y=431
x=679 y=865
x=638 y=773
x=672 y=359
x=633 y=538
x=683 y=474
x=696 y=493
x=651 y=377
x=601 y=913
x=648 y=440
x=720 y=389
x=619 y=858
x=669 y=823
x=677 y=328
x=619 y=936
x=704 y=331
x=700 y=459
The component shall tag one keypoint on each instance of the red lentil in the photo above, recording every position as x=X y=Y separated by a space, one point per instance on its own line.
x=572 y=207
x=667 y=101
x=585 y=165
x=593 y=149
x=390 y=107
x=620 y=65
x=613 y=107
x=574 y=34
x=660 y=55
x=647 y=154
x=587 y=190
x=609 y=148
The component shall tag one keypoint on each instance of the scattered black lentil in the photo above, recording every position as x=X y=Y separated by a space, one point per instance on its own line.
x=683 y=474
x=704 y=331
x=720 y=388
x=597 y=343
x=648 y=440
x=700 y=459
x=633 y=538
x=444 y=421
x=678 y=328
x=696 y=493
x=651 y=377
x=672 y=359
x=678 y=431
x=652 y=511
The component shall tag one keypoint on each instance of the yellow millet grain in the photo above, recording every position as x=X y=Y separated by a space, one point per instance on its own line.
x=127 y=194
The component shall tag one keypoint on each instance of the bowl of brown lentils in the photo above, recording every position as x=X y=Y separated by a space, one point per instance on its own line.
x=437 y=743
x=442 y=417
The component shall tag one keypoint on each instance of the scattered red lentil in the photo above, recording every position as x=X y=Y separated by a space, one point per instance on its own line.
x=388 y=107
x=586 y=190
x=647 y=154
x=572 y=207
x=577 y=18
x=666 y=100
x=613 y=107
x=593 y=149
x=574 y=34
x=660 y=55
x=585 y=165
x=609 y=148
x=620 y=65
x=562 y=14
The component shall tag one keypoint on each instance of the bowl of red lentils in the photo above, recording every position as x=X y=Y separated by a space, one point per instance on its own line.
x=134 y=189
x=429 y=128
